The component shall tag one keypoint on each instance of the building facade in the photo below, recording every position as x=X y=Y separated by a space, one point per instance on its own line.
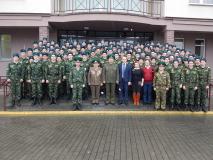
x=186 y=23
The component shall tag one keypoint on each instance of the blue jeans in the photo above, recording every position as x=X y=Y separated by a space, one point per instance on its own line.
x=147 y=92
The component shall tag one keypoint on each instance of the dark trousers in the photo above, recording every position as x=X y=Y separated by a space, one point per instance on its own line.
x=123 y=88
x=147 y=92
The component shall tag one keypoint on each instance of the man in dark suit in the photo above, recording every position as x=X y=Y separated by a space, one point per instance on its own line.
x=124 y=80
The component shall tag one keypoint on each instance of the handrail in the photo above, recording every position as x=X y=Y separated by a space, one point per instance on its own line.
x=6 y=89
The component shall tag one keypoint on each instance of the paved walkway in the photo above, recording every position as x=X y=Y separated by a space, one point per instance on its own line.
x=106 y=135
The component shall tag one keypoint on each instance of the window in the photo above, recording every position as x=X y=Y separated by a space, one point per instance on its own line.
x=200 y=47
x=201 y=1
x=5 y=46
x=179 y=42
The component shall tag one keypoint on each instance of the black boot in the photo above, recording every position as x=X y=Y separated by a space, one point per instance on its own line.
x=30 y=98
x=25 y=97
x=61 y=96
x=204 y=108
x=68 y=97
x=54 y=100
x=40 y=102
x=34 y=102
x=74 y=107
x=51 y=101
x=191 y=108
x=186 y=107
x=86 y=96
x=79 y=107
x=198 y=108
x=12 y=103
x=178 y=107
x=172 y=107
x=18 y=103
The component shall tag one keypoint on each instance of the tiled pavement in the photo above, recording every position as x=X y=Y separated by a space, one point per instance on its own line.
x=106 y=136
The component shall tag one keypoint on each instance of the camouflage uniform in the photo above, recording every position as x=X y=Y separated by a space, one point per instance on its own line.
x=176 y=81
x=44 y=85
x=117 y=61
x=36 y=75
x=60 y=86
x=53 y=74
x=77 y=78
x=15 y=72
x=68 y=65
x=190 y=81
x=204 y=75
x=161 y=82
x=85 y=65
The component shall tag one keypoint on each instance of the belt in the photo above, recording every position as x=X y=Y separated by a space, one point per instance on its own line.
x=36 y=75
x=16 y=74
x=53 y=74
x=190 y=82
x=203 y=80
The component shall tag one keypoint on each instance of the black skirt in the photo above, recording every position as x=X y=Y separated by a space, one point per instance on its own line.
x=137 y=75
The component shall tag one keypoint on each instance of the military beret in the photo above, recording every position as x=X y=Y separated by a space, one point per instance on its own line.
x=166 y=57
x=115 y=53
x=153 y=58
x=203 y=59
x=58 y=55
x=44 y=38
x=148 y=54
x=171 y=55
x=110 y=40
x=98 y=42
x=56 y=42
x=31 y=57
x=117 y=40
x=104 y=52
x=77 y=59
x=185 y=59
x=69 y=47
x=102 y=39
x=176 y=52
x=147 y=43
x=157 y=46
x=147 y=46
x=73 y=47
x=35 y=42
x=190 y=54
x=128 y=52
x=95 y=60
x=48 y=41
x=110 y=55
x=53 y=54
x=158 y=42
x=175 y=60
x=109 y=48
x=83 y=41
x=83 y=47
x=162 y=57
x=29 y=49
x=15 y=54
x=197 y=57
x=177 y=49
x=57 y=48
x=173 y=46
x=98 y=47
x=36 y=54
x=52 y=50
x=45 y=54
x=191 y=60
x=43 y=48
x=188 y=50
x=137 y=52
x=161 y=63
x=74 y=40
x=92 y=50
x=40 y=41
x=65 y=53
x=151 y=41
x=122 y=51
x=141 y=58
x=23 y=50
x=63 y=44
x=182 y=50
x=178 y=57
x=35 y=48
x=84 y=53
x=69 y=53
x=139 y=48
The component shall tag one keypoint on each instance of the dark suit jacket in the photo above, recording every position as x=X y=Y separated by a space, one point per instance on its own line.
x=127 y=73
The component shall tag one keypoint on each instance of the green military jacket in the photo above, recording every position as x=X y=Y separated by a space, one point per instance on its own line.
x=110 y=73
x=77 y=76
x=204 y=75
x=25 y=62
x=155 y=67
x=190 y=77
x=62 y=68
x=45 y=63
x=85 y=65
x=15 y=71
x=68 y=65
x=176 y=76
x=36 y=71
x=130 y=62
x=53 y=71
x=161 y=80
x=103 y=62
x=168 y=68
x=117 y=61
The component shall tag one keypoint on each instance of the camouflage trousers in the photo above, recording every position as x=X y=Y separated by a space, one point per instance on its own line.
x=175 y=94
x=24 y=87
x=77 y=93
x=61 y=87
x=160 y=101
x=189 y=94
x=15 y=89
x=53 y=88
x=202 y=92
x=36 y=88
x=67 y=85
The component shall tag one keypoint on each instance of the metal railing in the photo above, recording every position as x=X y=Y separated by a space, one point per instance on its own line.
x=6 y=89
x=209 y=94
x=150 y=8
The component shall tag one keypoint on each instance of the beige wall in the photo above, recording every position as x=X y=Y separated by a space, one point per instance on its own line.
x=20 y=38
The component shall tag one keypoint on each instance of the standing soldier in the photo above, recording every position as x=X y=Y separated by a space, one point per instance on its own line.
x=15 y=75
x=53 y=75
x=60 y=85
x=95 y=80
x=204 y=74
x=36 y=78
x=161 y=84
x=77 y=80
x=110 y=77
x=190 y=83
x=176 y=84
x=45 y=63
x=24 y=60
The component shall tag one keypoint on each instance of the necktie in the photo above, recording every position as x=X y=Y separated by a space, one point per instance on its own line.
x=123 y=70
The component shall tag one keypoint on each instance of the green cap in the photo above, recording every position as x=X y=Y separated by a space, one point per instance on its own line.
x=111 y=55
x=77 y=59
x=161 y=63
x=95 y=60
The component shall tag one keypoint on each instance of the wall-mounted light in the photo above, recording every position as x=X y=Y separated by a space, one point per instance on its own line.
x=126 y=29
x=86 y=28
